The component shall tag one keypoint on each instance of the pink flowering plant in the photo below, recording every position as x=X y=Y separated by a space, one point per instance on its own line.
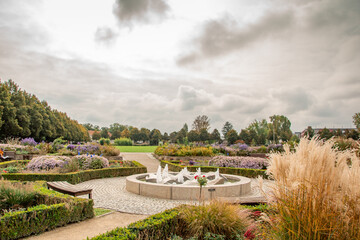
x=202 y=180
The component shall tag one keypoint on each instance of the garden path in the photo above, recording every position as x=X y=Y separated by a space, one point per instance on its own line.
x=145 y=159
x=89 y=228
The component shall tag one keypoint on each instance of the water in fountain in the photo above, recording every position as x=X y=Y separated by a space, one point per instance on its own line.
x=180 y=176
x=158 y=175
x=165 y=173
x=217 y=174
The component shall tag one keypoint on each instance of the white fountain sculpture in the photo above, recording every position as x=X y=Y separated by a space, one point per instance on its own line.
x=158 y=175
x=217 y=174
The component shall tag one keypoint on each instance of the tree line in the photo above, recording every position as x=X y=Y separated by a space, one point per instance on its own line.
x=24 y=115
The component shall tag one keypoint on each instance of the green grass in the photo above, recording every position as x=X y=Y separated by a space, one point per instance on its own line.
x=136 y=148
x=101 y=211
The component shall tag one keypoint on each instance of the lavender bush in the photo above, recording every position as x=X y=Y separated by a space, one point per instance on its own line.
x=28 y=141
x=47 y=162
x=239 y=162
x=87 y=161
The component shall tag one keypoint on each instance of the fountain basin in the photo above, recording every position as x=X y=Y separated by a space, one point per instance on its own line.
x=241 y=186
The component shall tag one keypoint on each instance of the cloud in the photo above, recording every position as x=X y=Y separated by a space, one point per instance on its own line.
x=294 y=100
x=130 y=12
x=219 y=37
x=105 y=35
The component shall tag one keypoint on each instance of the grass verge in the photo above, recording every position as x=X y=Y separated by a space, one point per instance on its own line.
x=101 y=211
x=148 y=149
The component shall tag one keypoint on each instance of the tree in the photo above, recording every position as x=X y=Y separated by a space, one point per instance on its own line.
x=279 y=128
x=325 y=134
x=155 y=137
x=201 y=122
x=193 y=136
x=96 y=135
x=245 y=136
x=352 y=134
x=135 y=134
x=125 y=133
x=309 y=132
x=215 y=136
x=115 y=129
x=204 y=135
x=226 y=128
x=104 y=132
x=356 y=120
x=231 y=136
x=258 y=131
x=144 y=134
x=166 y=137
x=173 y=137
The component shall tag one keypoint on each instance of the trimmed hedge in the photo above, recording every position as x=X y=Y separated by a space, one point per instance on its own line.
x=245 y=172
x=60 y=210
x=158 y=226
x=77 y=177
x=13 y=162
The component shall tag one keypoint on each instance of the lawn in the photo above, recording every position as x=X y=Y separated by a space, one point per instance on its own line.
x=101 y=211
x=136 y=148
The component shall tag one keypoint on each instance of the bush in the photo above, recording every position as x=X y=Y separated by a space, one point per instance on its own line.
x=108 y=150
x=181 y=150
x=28 y=142
x=11 y=169
x=317 y=192
x=91 y=162
x=47 y=162
x=217 y=218
x=239 y=162
x=104 y=141
x=59 y=210
x=123 y=142
x=12 y=197
x=76 y=177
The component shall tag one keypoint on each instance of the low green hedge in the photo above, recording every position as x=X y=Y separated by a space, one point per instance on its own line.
x=76 y=177
x=245 y=172
x=13 y=163
x=55 y=210
x=158 y=226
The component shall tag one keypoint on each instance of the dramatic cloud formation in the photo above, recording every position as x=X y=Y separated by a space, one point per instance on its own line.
x=231 y=60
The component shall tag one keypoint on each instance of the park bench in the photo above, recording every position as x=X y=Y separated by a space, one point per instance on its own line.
x=7 y=155
x=67 y=188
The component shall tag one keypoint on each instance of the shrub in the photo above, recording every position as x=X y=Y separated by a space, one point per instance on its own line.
x=72 y=166
x=104 y=141
x=275 y=148
x=123 y=142
x=317 y=192
x=239 y=162
x=28 y=141
x=108 y=150
x=91 y=162
x=12 y=169
x=181 y=150
x=14 y=197
x=47 y=162
x=216 y=218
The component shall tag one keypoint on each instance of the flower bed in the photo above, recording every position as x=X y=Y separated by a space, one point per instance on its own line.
x=77 y=177
x=53 y=210
x=182 y=150
x=239 y=162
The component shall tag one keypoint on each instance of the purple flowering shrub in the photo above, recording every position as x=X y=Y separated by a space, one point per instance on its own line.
x=87 y=161
x=28 y=141
x=47 y=163
x=239 y=162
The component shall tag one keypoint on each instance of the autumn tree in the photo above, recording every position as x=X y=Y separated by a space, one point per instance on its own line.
x=201 y=122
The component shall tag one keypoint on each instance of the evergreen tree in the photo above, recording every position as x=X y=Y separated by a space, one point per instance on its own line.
x=226 y=128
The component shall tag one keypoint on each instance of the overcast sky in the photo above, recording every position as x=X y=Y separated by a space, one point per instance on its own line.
x=159 y=63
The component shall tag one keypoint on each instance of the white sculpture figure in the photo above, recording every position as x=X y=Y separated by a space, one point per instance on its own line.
x=158 y=175
x=217 y=174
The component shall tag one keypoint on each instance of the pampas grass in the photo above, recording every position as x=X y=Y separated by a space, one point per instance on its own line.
x=316 y=193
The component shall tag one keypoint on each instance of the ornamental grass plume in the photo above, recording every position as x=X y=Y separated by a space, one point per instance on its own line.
x=316 y=193
x=216 y=217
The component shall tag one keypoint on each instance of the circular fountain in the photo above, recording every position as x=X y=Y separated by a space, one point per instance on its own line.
x=184 y=186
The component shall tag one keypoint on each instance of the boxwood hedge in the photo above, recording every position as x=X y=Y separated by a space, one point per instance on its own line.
x=74 y=177
x=158 y=226
x=54 y=210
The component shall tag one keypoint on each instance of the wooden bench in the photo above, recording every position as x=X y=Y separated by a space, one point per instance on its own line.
x=67 y=188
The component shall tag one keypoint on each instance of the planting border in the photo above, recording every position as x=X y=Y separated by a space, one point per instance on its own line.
x=74 y=177
x=245 y=172
x=159 y=226
x=60 y=210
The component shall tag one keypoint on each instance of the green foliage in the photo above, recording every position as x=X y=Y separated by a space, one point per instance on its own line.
x=12 y=169
x=356 y=120
x=201 y=122
x=96 y=135
x=226 y=128
x=216 y=217
x=24 y=115
x=181 y=150
x=104 y=141
x=77 y=177
x=123 y=142
x=101 y=211
x=279 y=128
x=13 y=197
x=231 y=136
x=159 y=226
x=148 y=149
